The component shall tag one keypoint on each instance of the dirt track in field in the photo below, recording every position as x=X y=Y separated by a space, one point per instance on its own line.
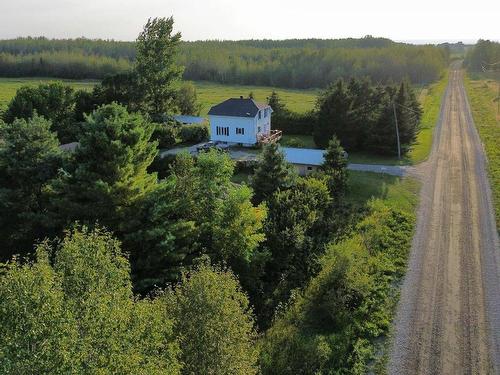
x=448 y=319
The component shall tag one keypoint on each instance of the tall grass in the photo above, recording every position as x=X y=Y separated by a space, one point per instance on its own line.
x=430 y=99
x=482 y=94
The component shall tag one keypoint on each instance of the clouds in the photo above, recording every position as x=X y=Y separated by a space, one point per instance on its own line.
x=235 y=19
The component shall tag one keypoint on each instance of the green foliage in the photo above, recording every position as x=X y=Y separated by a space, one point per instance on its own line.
x=330 y=327
x=335 y=168
x=156 y=67
x=186 y=100
x=483 y=53
x=29 y=160
x=54 y=101
x=278 y=63
x=482 y=96
x=296 y=229
x=78 y=314
x=108 y=172
x=196 y=210
x=214 y=324
x=289 y=63
x=272 y=173
x=362 y=116
x=194 y=133
x=166 y=134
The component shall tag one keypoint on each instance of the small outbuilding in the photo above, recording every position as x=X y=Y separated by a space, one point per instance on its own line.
x=305 y=160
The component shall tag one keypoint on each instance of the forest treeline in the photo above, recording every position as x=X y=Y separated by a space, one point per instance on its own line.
x=484 y=56
x=296 y=63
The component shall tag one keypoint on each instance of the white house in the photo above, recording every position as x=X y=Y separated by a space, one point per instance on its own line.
x=242 y=121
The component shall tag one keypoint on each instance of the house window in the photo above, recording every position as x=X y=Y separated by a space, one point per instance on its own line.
x=265 y=113
x=258 y=129
x=219 y=130
x=260 y=115
x=240 y=131
x=309 y=168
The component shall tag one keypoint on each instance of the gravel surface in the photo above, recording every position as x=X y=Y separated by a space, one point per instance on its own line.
x=448 y=318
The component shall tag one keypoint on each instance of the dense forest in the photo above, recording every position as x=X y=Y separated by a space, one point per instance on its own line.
x=297 y=63
x=484 y=56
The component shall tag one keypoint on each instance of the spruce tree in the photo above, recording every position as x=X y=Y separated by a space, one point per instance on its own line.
x=29 y=160
x=335 y=167
x=273 y=172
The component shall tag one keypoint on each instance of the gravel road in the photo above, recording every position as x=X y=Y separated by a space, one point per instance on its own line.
x=448 y=318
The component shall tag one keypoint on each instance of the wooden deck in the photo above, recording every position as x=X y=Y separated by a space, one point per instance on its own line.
x=273 y=137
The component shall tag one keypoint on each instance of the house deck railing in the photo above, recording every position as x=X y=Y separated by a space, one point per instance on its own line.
x=273 y=137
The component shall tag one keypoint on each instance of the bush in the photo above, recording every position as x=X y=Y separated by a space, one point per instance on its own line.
x=166 y=135
x=194 y=133
x=331 y=326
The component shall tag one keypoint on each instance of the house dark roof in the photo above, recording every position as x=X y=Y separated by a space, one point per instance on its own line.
x=242 y=107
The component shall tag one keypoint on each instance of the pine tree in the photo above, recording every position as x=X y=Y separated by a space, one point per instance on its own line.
x=272 y=173
x=109 y=169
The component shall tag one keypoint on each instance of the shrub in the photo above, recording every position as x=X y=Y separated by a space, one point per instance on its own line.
x=194 y=133
x=166 y=135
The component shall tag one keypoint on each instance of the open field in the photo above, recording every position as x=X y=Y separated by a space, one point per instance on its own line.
x=210 y=94
x=482 y=94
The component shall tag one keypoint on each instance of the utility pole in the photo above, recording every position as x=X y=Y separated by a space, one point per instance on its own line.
x=397 y=128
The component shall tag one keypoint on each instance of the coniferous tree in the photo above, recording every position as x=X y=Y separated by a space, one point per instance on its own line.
x=108 y=172
x=29 y=160
x=335 y=167
x=273 y=172
x=334 y=114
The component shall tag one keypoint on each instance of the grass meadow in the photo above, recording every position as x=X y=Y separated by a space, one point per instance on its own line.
x=210 y=94
x=483 y=101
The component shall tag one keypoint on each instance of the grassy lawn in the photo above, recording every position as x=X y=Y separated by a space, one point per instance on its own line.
x=9 y=86
x=397 y=192
x=301 y=141
x=482 y=94
x=210 y=94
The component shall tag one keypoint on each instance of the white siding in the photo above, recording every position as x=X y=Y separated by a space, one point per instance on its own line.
x=248 y=124
x=264 y=122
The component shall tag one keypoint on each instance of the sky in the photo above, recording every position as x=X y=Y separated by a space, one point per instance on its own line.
x=401 y=20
